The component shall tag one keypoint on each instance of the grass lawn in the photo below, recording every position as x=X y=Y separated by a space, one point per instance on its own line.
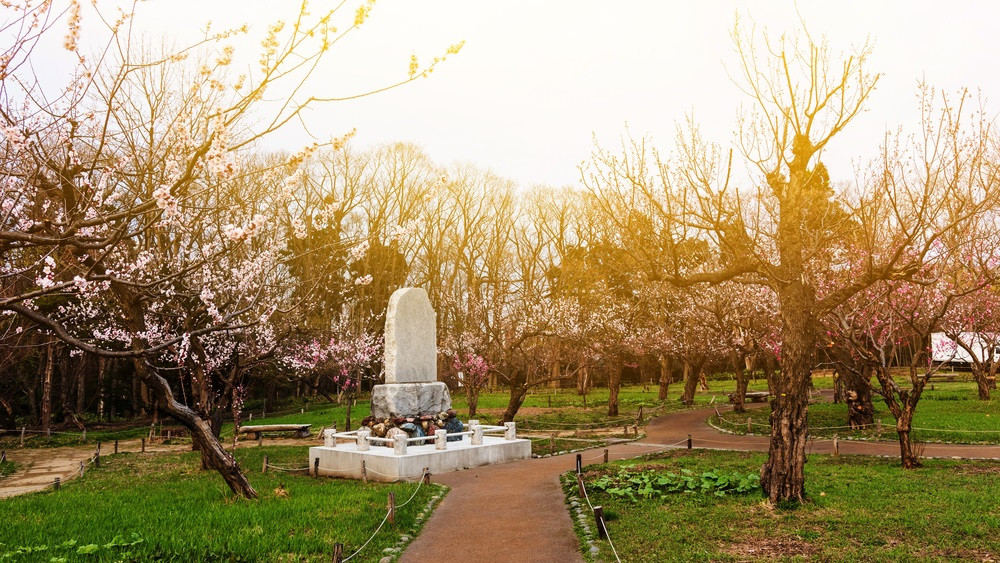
x=860 y=508
x=951 y=413
x=178 y=513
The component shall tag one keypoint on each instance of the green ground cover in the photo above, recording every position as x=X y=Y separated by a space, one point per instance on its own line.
x=177 y=512
x=951 y=413
x=859 y=509
x=7 y=468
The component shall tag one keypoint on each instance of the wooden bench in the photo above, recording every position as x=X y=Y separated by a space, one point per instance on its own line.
x=752 y=396
x=301 y=430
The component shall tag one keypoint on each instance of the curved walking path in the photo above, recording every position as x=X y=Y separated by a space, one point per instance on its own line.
x=516 y=511
x=40 y=466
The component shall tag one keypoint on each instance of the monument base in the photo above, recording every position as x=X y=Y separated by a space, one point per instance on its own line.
x=409 y=399
x=382 y=464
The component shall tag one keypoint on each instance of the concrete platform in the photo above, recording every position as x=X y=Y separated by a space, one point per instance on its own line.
x=382 y=463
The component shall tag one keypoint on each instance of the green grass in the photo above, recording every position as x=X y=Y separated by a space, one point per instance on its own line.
x=8 y=468
x=184 y=514
x=859 y=508
x=952 y=409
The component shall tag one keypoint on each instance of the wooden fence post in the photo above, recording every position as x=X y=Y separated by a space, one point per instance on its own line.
x=82 y=468
x=23 y=430
x=316 y=467
x=579 y=485
x=749 y=424
x=689 y=441
x=97 y=456
x=836 y=446
x=143 y=445
x=579 y=463
x=116 y=446
x=605 y=455
x=427 y=475
x=640 y=414
x=602 y=530
x=392 y=509
x=338 y=553
x=57 y=484
x=264 y=468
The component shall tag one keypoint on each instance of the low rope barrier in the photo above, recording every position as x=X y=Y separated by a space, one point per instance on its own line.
x=386 y=518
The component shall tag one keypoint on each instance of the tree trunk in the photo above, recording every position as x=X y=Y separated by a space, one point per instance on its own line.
x=691 y=374
x=614 y=384
x=665 y=369
x=983 y=385
x=472 y=397
x=838 y=387
x=783 y=475
x=517 y=394
x=212 y=453
x=907 y=456
x=101 y=392
x=46 y=414
x=741 y=381
x=81 y=386
x=581 y=381
x=856 y=382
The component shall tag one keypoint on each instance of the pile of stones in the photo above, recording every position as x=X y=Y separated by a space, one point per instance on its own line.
x=415 y=426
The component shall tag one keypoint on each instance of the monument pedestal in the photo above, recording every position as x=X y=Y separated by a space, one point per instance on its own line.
x=382 y=464
x=409 y=399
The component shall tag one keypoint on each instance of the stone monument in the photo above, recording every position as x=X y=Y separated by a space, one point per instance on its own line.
x=411 y=387
x=413 y=399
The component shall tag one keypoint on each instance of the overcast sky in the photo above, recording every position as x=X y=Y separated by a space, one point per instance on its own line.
x=537 y=79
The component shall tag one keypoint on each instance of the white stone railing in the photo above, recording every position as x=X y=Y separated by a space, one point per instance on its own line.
x=363 y=438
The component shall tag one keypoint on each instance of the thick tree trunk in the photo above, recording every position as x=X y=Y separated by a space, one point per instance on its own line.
x=858 y=395
x=614 y=384
x=983 y=385
x=692 y=371
x=665 y=369
x=741 y=381
x=517 y=394
x=212 y=453
x=46 y=414
x=783 y=475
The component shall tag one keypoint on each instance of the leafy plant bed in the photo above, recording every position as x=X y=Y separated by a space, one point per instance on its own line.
x=164 y=507
x=635 y=482
x=858 y=508
x=950 y=413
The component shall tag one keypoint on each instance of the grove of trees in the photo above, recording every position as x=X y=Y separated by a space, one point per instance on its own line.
x=153 y=259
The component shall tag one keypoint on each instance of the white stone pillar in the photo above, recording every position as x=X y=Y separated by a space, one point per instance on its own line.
x=477 y=435
x=473 y=422
x=400 y=445
x=440 y=439
x=328 y=439
x=363 y=434
x=511 y=432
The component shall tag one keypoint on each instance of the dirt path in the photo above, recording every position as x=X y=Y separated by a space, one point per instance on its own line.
x=516 y=511
x=40 y=466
